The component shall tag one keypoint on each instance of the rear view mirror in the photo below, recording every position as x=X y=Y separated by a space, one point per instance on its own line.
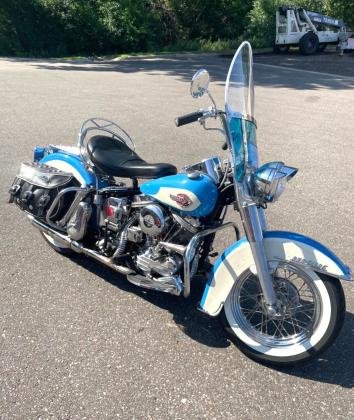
x=200 y=83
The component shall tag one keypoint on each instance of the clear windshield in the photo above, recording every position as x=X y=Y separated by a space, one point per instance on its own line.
x=239 y=107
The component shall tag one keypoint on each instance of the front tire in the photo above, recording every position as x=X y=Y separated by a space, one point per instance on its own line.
x=311 y=314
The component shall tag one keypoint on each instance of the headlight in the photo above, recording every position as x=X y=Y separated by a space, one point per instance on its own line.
x=270 y=180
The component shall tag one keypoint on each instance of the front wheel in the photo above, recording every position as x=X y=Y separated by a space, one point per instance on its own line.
x=310 y=315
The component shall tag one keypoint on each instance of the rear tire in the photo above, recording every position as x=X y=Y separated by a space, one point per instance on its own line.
x=309 y=43
x=309 y=322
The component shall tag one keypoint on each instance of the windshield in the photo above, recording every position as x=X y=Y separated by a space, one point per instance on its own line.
x=239 y=107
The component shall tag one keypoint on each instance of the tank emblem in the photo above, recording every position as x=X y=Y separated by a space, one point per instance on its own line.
x=181 y=199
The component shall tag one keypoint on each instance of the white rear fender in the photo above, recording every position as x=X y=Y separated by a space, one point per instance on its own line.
x=285 y=246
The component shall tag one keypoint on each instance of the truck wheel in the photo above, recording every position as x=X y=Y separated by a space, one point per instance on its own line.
x=281 y=49
x=321 y=47
x=309 y=43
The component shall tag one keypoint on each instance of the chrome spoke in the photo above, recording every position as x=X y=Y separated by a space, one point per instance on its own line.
x=298 y=307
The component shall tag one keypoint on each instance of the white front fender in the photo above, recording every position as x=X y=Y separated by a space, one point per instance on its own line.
x=285 y=246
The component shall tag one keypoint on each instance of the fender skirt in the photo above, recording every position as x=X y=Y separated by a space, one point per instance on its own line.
x=287 y=246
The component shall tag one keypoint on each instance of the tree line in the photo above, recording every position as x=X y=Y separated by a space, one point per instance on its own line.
x=74 y=27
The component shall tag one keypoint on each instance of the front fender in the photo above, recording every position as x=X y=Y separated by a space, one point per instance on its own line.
x=286 y=246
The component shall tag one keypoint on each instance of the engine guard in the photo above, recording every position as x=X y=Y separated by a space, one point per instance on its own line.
x=279 y=245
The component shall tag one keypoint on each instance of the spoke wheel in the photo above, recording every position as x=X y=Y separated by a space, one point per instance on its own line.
x=309 y=315
x=299 y=308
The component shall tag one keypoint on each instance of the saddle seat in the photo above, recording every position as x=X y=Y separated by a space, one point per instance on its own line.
x=115 y=158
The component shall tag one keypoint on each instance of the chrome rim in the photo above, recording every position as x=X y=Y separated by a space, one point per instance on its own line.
x=298 y=301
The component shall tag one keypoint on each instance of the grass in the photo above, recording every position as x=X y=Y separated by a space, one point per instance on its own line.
x=195 y=46
x=183 y=46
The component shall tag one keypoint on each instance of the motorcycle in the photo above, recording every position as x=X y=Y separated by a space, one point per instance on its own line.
x=277 y=293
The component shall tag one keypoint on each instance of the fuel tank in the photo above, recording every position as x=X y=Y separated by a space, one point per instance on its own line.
x=194 y=196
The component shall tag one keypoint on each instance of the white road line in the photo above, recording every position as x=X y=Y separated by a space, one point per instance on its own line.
x=337 y=76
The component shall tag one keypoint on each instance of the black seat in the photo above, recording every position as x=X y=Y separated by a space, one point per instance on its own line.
x=115 y=158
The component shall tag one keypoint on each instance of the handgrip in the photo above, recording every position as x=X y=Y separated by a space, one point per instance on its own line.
x=188 y=118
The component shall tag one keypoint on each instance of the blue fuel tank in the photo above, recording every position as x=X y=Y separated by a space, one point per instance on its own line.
x=191 y=196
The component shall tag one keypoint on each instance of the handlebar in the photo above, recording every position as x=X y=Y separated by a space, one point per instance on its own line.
x=188 y=118
x=201 y=116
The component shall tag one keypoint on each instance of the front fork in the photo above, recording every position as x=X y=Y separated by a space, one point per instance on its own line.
x=254 y=223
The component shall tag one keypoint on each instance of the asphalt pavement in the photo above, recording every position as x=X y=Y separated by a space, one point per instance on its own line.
x=77 y=340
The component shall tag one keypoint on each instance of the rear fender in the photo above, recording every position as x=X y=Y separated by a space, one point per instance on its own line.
x=73 y=164
x=286 y=246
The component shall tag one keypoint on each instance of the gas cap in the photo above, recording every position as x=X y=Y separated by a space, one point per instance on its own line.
x=193 y=175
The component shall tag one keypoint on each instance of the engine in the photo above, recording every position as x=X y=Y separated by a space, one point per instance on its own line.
x=161 y=227
x=137 y=226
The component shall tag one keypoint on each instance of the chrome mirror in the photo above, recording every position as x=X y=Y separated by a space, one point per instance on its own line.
x=200 y=83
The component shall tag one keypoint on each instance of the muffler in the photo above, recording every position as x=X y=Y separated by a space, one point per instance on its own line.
x=78 y=247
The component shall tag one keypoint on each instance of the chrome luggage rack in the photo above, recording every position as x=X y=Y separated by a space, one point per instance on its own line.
x=97 y=124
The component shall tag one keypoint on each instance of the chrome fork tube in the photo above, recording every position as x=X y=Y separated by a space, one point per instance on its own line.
x=253 y=229
x=254 y=223
x=262 y=219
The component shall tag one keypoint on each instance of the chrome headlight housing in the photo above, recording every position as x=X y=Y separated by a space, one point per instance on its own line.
x=269 y=180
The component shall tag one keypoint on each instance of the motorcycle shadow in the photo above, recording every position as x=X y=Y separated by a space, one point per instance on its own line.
x=335 y=366
x=199 y=327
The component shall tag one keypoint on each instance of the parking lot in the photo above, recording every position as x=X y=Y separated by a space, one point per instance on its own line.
x=77 y=340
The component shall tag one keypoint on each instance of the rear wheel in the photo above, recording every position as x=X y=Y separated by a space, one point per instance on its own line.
x=310 y=315
x=309 y=43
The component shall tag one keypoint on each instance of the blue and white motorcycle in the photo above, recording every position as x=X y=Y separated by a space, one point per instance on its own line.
x=278 y=293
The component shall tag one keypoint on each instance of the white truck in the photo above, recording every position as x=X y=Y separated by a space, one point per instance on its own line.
x=310 y=31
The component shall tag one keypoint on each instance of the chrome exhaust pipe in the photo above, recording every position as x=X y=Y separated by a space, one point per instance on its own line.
x=78 y=247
